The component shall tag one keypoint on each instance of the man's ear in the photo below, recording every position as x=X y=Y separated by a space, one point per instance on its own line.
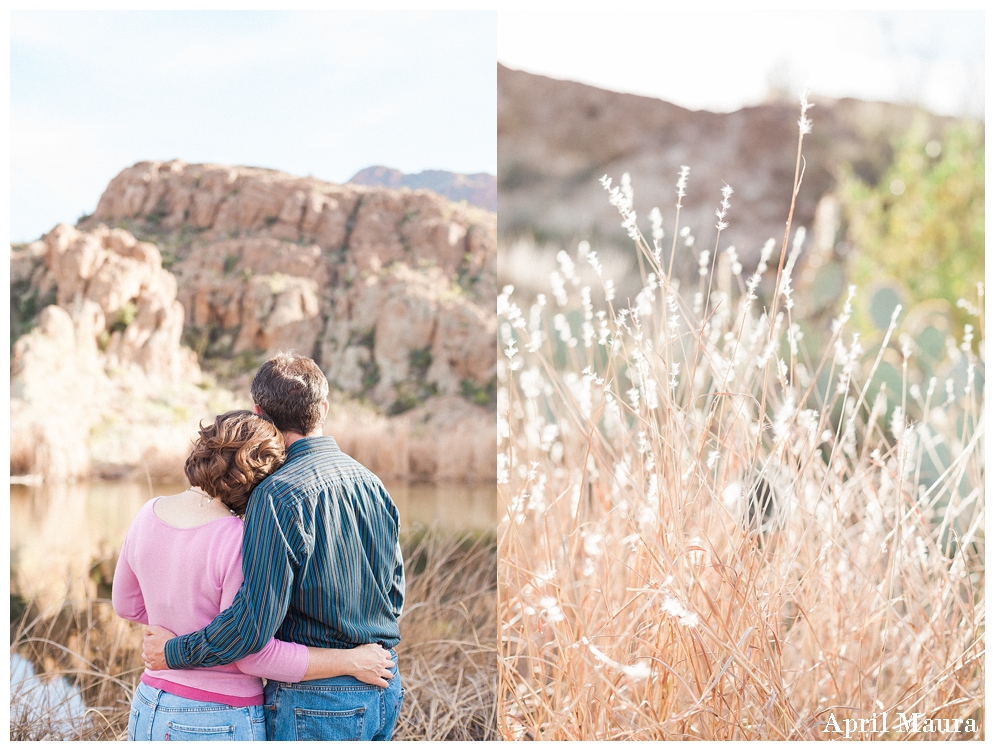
x=257 y=409
x=324 y=410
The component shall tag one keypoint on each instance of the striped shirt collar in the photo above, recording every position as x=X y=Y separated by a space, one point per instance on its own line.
x=311 y=445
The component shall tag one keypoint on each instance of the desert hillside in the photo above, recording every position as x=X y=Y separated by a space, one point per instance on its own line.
x=478 y=189
x=187 y=276
x=557 y=138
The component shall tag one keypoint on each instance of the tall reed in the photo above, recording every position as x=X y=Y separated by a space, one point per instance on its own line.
x=713 y=532
x=447 y=655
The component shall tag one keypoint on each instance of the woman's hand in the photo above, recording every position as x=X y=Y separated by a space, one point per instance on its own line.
x=369 y=663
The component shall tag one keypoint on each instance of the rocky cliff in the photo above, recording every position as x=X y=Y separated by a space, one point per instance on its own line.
x=478 y=189
x=557 y=138
x=100 y=383
x=390 y=291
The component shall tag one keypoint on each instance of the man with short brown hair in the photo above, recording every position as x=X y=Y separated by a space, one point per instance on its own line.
x=292 y=392
x=322 y=567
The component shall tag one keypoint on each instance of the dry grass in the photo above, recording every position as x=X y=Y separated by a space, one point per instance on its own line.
x=713 y=533
x=444 y=439
x=447 y=655
x=96 y=653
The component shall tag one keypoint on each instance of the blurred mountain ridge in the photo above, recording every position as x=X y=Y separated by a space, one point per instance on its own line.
x=478 y=189
x=556 y=139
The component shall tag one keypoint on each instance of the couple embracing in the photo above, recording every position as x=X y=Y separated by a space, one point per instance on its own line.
x=279 y=535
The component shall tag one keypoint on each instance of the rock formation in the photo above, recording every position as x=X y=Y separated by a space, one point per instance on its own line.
x=478 y=189
x=111 y=334
x=390 y=291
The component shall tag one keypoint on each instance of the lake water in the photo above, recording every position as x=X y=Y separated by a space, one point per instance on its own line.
x=60 y=532
x=56 y=704
x=64 y=540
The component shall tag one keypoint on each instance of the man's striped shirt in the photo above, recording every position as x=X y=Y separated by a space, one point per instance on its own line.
x=321 y=560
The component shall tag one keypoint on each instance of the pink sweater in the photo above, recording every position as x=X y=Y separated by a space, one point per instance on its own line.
x=180 y=579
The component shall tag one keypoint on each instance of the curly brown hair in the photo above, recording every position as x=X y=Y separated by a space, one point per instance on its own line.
x=232 y=455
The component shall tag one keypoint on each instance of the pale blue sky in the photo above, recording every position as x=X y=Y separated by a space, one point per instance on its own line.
x=319 y=93
x=725 y=58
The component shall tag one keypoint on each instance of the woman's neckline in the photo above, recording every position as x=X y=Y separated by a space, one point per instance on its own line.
x=171 y=525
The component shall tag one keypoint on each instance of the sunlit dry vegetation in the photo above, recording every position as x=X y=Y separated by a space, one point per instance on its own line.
x=447 y=656
x=717 y=528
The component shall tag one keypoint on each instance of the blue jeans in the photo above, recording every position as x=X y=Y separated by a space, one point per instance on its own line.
x=157 y=715
x=334 y=709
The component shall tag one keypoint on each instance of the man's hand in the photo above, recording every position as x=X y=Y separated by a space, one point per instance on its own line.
x=154 y=647
x=371 y=664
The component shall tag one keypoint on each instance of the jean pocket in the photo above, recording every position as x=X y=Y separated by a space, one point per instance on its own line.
x=325 y=725
x=177 y=732
x=132 y=724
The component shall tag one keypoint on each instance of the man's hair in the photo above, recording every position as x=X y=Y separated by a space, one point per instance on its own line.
x=290 y=389
x=232 y=455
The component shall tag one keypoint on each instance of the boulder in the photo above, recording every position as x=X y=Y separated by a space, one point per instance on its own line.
x=116 y=326
x=58 y=390
x=391 y=290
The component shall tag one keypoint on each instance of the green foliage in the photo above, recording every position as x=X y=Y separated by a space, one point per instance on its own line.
x=485 y=395
x=124 y=317
x=197 y=338
x=174 y=244
x=371 y=374
x=364 y=339
x=467 y=274
x=404 y=402
x=219 y=363
x=420 y=360
x=155 y=218
x=248 y=361
x=922 y=226
x=24 y=308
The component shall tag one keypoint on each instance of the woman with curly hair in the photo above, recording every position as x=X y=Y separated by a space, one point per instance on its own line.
x=181 y=565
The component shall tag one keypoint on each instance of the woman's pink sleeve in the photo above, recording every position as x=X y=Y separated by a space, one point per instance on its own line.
x=279 y=660
x=126 y=592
